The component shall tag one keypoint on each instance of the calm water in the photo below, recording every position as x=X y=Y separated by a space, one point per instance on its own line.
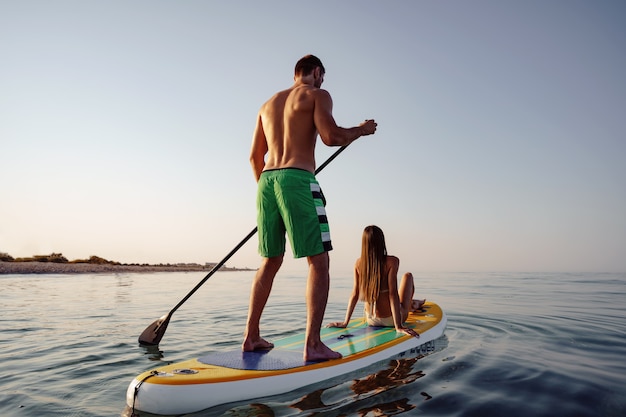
x=516 y=344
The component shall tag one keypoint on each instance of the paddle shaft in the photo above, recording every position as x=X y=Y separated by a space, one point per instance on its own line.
x=243 y=242
x=159 y=326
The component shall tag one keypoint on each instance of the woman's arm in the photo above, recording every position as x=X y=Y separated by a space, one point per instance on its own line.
x=354 y=298
x=393 y=265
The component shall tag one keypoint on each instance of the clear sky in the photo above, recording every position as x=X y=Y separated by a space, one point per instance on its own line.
x=125 y=128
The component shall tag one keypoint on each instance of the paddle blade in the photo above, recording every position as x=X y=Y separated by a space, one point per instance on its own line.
x=154 y=333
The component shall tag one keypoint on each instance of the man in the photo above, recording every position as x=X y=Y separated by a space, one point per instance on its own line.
x=289 y=199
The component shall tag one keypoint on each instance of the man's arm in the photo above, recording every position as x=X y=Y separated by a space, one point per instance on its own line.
x=330 y=133
x=259 y=149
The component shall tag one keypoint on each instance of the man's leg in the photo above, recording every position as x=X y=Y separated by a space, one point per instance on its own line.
x=318 y=284
x=260 y=292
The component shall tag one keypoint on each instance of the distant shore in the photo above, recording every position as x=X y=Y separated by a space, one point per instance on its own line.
x=87 y=268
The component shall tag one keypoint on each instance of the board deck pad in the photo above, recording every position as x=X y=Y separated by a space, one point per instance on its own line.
x=287 y=354
x=265 y=360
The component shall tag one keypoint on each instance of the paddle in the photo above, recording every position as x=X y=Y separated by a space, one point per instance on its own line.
x=153 y=334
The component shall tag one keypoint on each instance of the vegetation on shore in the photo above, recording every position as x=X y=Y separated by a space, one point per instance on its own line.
x=59 y=260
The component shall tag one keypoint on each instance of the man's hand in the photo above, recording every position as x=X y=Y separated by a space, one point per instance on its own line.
x=368 y=127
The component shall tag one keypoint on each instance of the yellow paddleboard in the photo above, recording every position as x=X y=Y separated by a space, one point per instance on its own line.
x=223 y=377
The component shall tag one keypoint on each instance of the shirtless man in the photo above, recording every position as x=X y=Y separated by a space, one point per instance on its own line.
x=289 y=199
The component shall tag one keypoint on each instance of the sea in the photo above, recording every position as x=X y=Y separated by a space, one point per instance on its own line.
x=516 y=344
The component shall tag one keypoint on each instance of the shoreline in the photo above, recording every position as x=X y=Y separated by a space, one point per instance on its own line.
x=25 y=268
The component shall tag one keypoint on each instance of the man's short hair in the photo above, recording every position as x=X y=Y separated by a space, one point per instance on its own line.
x=307 y=64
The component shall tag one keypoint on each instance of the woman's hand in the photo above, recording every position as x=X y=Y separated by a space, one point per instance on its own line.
x=408 y=331
x=337 y=324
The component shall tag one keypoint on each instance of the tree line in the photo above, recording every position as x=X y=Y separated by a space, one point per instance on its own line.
x=57 y=258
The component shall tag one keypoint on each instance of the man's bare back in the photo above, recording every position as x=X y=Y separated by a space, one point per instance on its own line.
x=289 y=128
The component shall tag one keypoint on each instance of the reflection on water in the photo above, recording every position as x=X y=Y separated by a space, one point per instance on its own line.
x=397 y=372
x=382 y=389
x=153 y=353
x=123 y=289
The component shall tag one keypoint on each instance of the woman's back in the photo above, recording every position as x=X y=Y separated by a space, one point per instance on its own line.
x=381 y=307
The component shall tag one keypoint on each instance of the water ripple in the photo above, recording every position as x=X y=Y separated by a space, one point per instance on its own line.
x=516 y=345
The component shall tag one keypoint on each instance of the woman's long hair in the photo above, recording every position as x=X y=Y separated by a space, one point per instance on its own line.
x=372 y=263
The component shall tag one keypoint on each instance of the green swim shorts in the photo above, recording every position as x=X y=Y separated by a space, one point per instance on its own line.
x=290 y=201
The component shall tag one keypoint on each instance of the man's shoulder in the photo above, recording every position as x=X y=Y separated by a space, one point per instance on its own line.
x=321 y=92
x=274 y=100
x=306 y=97
x=323 y=98
x=279 y=95
x=310 y=89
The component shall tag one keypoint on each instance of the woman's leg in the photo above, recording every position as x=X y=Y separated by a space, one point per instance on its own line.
x=406 y=291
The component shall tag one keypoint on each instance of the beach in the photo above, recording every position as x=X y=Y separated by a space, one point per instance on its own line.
x=20 y=268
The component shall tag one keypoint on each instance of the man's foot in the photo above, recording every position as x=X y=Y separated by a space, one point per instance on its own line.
x=416 y=305
x=320 y=353
x=252 y=345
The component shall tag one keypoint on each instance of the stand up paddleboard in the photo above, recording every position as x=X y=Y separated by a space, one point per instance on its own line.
x=223 y=377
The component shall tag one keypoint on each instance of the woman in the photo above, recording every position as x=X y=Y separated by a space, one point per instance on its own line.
x=375 y=283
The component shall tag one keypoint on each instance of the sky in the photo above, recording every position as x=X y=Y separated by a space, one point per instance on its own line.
x=125 y=129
